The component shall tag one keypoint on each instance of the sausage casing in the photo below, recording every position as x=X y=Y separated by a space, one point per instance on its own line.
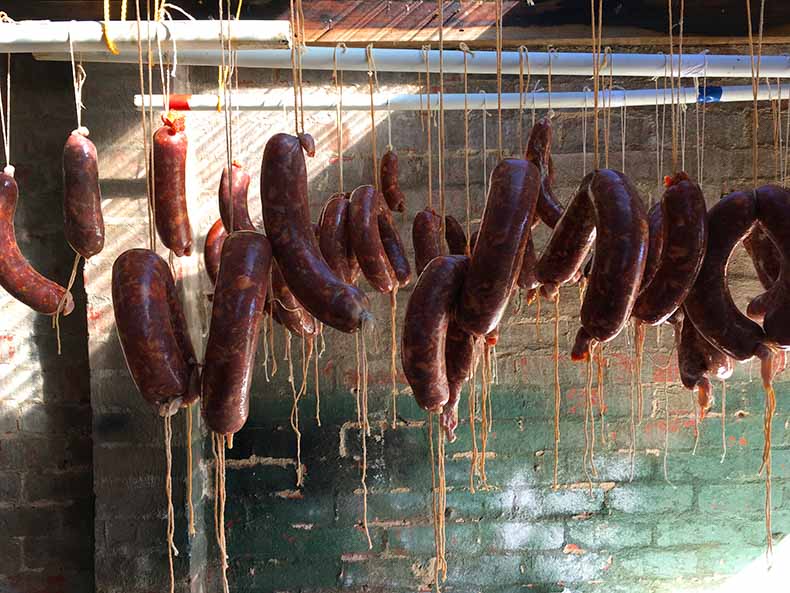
x=363 y=217
x=286 y=217
x=709 y=305
x=763 y=254
x=496 y=259
x=655 y=228
x=425 y=327
x=236 y=315
x=538 y=153
x=334 y=238
x=773 y=211
x=169 y=185
x=455 y=236
x=82 y=215
x=390 y=187
x=393 y=247
x=527 y=276
x=685 y=233
x=426 y=236
x=459 y=359
x=17 y=276
x=233 y=199
x=152 y=329
x=286 y=309
x=213 y=249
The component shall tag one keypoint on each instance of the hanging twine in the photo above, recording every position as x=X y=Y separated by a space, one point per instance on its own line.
x=442 y=204
x=337 y=75
x=499 y=12
x=467 y=52
x=426 y=56
x=373 y=84
x=5 y=118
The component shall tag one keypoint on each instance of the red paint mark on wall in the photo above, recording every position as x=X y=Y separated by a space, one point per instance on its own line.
x=7 y=349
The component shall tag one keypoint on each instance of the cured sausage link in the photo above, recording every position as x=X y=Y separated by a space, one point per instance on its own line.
x=17 y=276
x=527 y=277
x=685 y=234
x=569 y=243
x=152 y=329
x=499 y=249
x=763 y=254
x=620 y=253
x=363 y=216
x=455 y=236
x=393 y=247
x=169 y=187
x=286 y=309
x=709 y=305
x=390 y=186
x=82 y=215
x=425 y=327
x=426 y=236
x=538 y=153
x=334 y=238
x=233 y=334
x=233 y=200
x=286 y=217
x=213 y=249
x=773 y=211
x=459 y=359
x=655 y=227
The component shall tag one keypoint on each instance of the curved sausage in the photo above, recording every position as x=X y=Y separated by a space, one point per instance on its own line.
x=334 y=238
x=83 y=222
x=286 y=217
x=153 y=331
x=685 y=233
x=426 y=238
x=17 y=276
x=363 y=217
x=455 y=236
x=459 y=359
x=393 y=247
x=169 y=184
x=286 y=309
x=496 y=260
x=569 y=243
x=764 y=255
x=233 y=334
x=390 y=186
x=773 y=211
x=424 y=340
x=655 y=228
x=697 y=358
x=233 y=201
x=527 y=276
x=620 y=253
x=709 y=305
x=538 y=153
x=213 y=249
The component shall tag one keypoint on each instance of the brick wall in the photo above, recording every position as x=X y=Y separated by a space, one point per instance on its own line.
x=686 y=532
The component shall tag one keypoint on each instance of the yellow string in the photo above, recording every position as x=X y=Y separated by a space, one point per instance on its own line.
x=105 y=29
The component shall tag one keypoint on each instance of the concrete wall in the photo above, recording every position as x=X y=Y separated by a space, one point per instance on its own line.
x=650 y=534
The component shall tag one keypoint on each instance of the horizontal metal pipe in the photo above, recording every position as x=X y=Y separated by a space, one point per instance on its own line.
x=88 y=36
x=481 y=62
x=271 y=101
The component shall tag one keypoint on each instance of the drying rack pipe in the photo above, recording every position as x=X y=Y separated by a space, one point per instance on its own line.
x=88 y=36
x=277 y=101
x=479 y=62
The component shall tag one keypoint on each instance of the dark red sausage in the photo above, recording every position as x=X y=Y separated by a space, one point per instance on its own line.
x=393 y=247
x=709 y=305
x=426 y=236
x=286 y=309
x=17 y=276
x=82 y=215
x=620 y=253
x=334 y=238
x=527 y=276
x=569 y=243
x=152 y=329
x=233 y=201
x=286 y=217
x=170 y=194
x=548 y=208
x=233 y=334
x=763 y=254
x=496 y=260
x=390 y=186
x=213 y=249
x=455 y=236
x=428 y=313
x=363 y=217
x=698 y=358
x=655 y=243
x=459 y=358
x=773 y=211
x=685 y=233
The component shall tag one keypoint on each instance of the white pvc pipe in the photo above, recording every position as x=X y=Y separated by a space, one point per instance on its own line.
x=482 y=62
x=88 y=36
x=277 y=101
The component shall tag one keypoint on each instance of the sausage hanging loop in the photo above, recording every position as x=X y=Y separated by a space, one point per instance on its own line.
x=5 y=119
